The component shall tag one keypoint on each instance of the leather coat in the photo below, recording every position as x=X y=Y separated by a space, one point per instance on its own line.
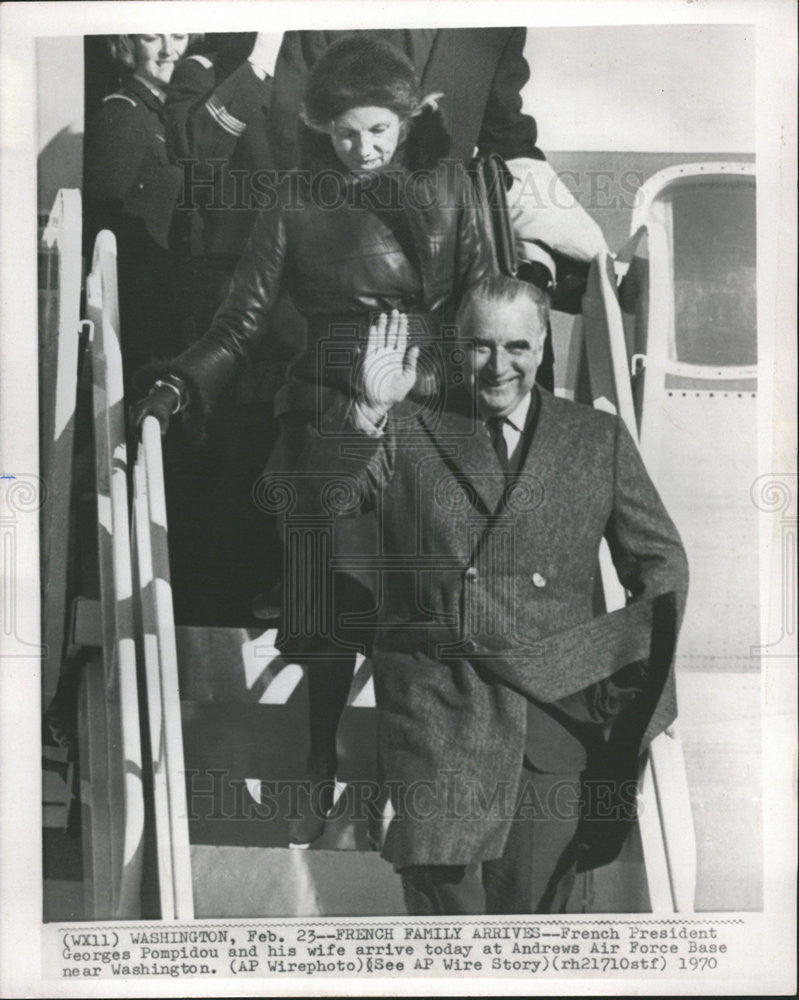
x=345 y=249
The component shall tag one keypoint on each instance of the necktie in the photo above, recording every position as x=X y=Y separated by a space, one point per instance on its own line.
x=495 y=426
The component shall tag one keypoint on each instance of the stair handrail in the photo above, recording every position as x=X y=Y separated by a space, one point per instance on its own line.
x=116 y=588
x=161 y=676
x=665 y=817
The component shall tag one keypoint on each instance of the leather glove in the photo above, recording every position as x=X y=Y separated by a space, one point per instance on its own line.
x=163 y=402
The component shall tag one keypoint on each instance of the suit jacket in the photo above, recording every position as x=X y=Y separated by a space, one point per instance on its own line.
x=487 y=602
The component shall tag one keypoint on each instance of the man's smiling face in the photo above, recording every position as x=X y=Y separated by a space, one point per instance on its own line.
x=505 y=344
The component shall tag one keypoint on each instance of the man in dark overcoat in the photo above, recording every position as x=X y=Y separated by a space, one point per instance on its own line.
x=500 y=693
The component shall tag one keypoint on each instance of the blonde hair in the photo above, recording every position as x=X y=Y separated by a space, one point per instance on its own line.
x=123 y=48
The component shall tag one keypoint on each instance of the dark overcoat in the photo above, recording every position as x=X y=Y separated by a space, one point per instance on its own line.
x=487 y=602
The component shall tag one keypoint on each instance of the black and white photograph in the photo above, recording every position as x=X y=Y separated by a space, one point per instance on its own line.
x=398 y=495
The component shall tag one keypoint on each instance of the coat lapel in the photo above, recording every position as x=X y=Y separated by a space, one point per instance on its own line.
x=465 y=446
x=421 y=42
x=546 y=442
x=438 y=66
x=462 y=65
x=439 y=77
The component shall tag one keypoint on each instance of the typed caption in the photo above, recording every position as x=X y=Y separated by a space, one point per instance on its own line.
x=545 y=947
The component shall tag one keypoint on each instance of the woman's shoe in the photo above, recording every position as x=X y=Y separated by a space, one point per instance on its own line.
x=314 y=802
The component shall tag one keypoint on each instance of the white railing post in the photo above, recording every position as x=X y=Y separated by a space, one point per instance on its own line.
x=163 y=691
x=121 y=742
x=58 y=359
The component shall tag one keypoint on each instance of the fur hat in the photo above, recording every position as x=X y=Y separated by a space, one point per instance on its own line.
x=359 y=71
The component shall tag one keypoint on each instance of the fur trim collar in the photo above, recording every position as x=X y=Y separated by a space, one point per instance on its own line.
x=426 y=144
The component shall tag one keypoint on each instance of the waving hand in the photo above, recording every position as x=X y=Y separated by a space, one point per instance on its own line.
x=388 y=367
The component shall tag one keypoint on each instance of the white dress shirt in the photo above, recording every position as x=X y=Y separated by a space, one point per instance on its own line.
x=513 y=425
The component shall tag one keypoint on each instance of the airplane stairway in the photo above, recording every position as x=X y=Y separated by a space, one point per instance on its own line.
x=193 y=739
x=223 y=719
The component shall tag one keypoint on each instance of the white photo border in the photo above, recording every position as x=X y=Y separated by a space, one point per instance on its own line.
x=769 y=968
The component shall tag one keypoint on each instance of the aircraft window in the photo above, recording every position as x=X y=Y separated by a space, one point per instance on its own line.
x=715 y=292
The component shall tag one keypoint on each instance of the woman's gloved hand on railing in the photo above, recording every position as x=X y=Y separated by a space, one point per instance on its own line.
x=166 y=398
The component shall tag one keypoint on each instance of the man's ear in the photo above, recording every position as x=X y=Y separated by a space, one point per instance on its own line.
x=539 y=347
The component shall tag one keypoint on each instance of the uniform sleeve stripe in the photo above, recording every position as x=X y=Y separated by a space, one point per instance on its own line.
x=223 y=118
x=223 y=121
x=232 y=121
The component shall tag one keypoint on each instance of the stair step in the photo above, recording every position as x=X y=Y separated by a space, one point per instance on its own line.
x=280 y=882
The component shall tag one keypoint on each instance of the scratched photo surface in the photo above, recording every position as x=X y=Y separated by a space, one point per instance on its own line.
x=217 y=739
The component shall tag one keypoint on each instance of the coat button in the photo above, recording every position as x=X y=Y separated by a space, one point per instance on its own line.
x=471 y=574
x=470 y=645
x=140 y=185
x=538 y=580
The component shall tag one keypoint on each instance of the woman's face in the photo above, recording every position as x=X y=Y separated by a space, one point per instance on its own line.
x=156 y=56
x=365 y=139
